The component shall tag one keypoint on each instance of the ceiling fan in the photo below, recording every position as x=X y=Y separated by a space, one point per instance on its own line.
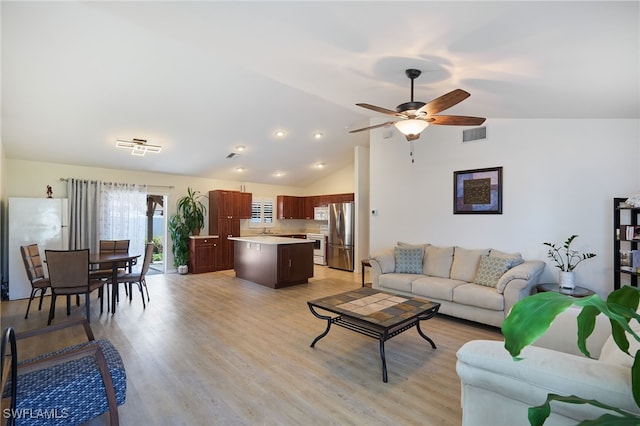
x=414 y=116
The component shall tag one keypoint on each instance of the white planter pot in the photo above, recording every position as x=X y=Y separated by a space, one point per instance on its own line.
x=183 y=269
x=567 y=280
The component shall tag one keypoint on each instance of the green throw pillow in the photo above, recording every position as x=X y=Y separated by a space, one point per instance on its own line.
x=490 y=270
x=409 y=260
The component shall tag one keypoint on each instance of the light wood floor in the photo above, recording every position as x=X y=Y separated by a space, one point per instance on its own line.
x=212 y=349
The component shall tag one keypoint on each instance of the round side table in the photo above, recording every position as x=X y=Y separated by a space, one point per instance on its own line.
x=576 y=292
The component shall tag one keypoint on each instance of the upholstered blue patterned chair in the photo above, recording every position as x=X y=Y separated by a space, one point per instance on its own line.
x=68 y=386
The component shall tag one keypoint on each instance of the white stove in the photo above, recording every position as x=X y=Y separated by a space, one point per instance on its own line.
x=319 y=248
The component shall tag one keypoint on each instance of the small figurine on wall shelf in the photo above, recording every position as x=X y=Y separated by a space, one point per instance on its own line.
x=49 y=192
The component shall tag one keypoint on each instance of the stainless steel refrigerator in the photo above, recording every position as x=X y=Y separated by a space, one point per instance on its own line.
x=341 y=236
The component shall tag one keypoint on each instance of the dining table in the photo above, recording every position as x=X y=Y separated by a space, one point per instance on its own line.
x=115 y=259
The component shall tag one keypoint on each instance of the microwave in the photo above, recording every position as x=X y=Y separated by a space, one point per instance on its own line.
x=321 y=213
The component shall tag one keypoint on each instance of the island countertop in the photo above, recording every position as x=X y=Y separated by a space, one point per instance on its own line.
x=270 y=239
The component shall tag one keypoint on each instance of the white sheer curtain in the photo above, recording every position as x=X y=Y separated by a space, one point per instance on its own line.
x=123 y=214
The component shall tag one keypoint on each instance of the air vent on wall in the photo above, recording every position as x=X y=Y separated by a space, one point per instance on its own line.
x=474 y=134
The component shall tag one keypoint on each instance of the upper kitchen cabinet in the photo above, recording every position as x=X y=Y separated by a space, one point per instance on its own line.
x=290 y=207
x=230 y=204
x=341 y=198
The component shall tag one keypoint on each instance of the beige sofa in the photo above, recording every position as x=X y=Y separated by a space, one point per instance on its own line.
x=477 y=285
x=496 y=390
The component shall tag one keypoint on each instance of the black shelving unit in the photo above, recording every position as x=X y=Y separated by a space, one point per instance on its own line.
x=623 y=216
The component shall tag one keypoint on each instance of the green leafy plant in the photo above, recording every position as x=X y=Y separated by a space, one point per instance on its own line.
x=565 y=258
x=531 y=317
x=192 y=210
x=179 y=231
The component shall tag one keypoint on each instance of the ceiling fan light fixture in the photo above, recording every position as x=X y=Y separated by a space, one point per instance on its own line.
x=411 y=126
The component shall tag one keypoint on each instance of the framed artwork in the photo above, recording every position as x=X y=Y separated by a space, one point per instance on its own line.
x=477 y=191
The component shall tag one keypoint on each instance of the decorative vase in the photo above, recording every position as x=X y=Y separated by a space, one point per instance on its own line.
x=183 y=269
x=567 y=280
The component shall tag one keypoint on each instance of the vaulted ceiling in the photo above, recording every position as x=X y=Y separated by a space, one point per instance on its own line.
x=202 y=78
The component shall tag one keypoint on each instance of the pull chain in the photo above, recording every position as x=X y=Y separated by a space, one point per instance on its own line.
x=411 y=152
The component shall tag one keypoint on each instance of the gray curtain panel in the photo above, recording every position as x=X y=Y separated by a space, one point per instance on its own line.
x=84 y=199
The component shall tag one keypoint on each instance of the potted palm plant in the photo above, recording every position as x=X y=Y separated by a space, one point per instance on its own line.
x=180 y=237
x=188 y=220
x=192 y=210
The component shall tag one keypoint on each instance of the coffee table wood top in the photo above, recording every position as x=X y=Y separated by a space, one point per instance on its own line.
x=374 y=306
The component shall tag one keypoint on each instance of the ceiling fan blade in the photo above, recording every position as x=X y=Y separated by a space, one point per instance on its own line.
x=457 y=120
x=380 y=109
x=444 y=102
x=388 y=123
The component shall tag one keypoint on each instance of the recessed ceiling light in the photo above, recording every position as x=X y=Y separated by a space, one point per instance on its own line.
x=240 y=148
x=318 y=135
x=239 y=169
x=278 y=174
x=320 y=165
x=280 y=133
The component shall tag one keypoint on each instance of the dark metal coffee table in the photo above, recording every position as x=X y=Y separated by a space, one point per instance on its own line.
x=375 y=314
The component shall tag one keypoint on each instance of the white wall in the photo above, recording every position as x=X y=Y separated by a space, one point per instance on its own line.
x=560 y=177
x=362 y=187
x=339 y=182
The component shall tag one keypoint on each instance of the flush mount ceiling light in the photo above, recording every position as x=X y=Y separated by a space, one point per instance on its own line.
x=320 y=165
x=138 y=147
x=239 y=169
x=240 y=148
x=317 y=135
x=280 y=133
x=278 y=174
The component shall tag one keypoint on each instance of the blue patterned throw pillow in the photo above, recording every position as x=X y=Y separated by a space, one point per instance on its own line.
x=491 y=269
x=409 y=260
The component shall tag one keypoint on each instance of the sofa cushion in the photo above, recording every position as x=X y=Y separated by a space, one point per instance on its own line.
x=612 y=354
x=408 y=260
x=386 y=260
x=400 y=282
x=479 y=296
x=438 y=261
x=516 y=258
x=465 y=263
x=491 y=269
x=525 y=271
x=410 y=245
x=435 y=287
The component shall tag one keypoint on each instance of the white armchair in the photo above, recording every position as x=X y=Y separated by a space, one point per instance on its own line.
x=496 y=390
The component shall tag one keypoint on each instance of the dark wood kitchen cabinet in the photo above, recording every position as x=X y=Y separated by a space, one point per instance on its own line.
x=273 y=265
x=230 y=204
x=294 y=266
x=226 y=208
x=290 y=207
x=203 y=254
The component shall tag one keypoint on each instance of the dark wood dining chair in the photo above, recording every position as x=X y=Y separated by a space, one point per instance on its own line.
x=111 y=246
x=138 y=277
x=69 y=275
x=35 y=273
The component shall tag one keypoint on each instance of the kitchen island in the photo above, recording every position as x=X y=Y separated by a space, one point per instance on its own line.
x=273 y=261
